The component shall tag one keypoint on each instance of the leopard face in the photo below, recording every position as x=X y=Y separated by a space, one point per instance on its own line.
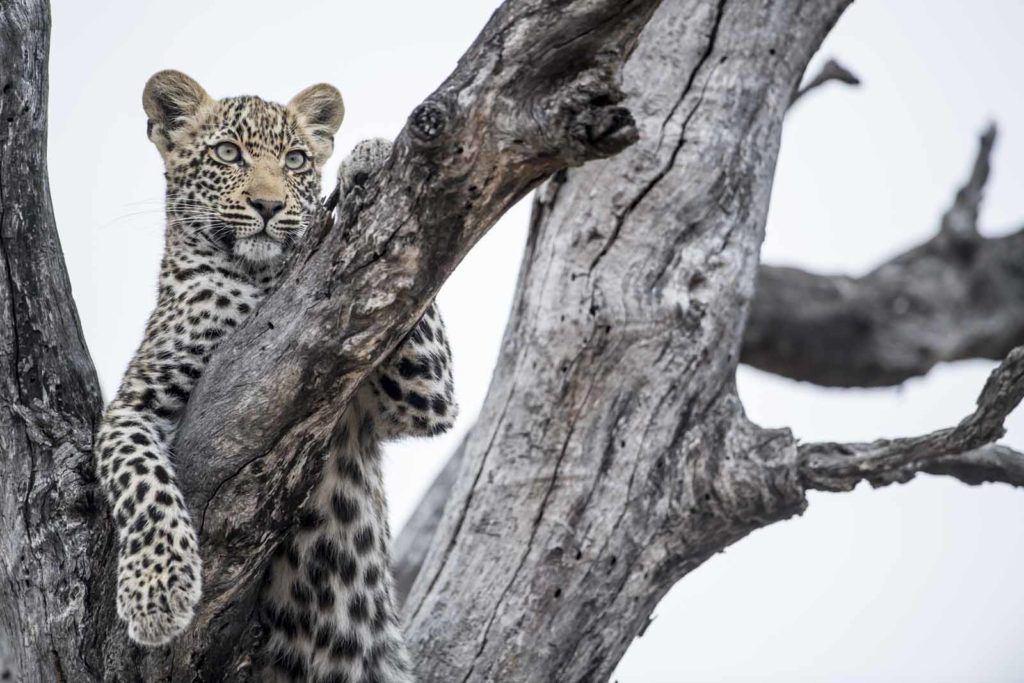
x=242 y=173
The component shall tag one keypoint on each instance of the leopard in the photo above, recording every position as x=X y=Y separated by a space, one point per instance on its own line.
x=243 y=186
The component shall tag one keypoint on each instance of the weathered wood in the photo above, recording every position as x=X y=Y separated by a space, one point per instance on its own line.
x=958 y=295
x=50 y=521
x=611 y=455
x=988 y=464
x=831 y=71
x=840 y=467
x=951 y=298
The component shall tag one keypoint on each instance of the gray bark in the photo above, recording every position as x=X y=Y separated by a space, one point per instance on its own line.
x=965 y=447
x=958 y=295
x=612 y=455
x=50 y=517
x=831 y=71
x=611 y=441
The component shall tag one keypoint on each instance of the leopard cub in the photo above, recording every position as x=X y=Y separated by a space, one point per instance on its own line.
x=243 y=185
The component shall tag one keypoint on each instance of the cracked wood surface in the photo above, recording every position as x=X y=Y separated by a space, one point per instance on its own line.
x=611 y=455
x=958 y=295
x=49 y=395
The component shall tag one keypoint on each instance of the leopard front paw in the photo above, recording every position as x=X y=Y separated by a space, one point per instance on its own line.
x=363 y=161
x=159 y=583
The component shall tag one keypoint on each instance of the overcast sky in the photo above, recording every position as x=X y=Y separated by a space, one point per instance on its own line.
x=919 y=582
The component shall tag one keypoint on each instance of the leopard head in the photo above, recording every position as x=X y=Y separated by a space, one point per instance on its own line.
x=242 y=173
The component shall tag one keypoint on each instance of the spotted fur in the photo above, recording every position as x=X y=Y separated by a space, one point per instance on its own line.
x=231 y=219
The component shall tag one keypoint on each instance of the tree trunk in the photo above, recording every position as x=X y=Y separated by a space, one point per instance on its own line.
x=612 y=455
x=957 y=295
x=51 y=522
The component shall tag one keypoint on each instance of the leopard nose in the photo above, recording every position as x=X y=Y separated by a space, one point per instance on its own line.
x=266 y=208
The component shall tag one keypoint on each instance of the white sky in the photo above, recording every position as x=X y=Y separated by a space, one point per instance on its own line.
x=910 y=583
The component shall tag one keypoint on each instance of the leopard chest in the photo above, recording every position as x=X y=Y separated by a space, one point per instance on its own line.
x=202 y=299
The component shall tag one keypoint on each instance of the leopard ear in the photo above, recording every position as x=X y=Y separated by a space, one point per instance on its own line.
x=171 y=99
x=321 y=109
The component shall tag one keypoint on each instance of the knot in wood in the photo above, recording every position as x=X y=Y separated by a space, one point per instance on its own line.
x=428 y=121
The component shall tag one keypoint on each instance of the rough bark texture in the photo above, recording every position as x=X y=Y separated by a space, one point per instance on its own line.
x=49 y=396
x=611 y=455
x=958 y=295
x=988 y=464
x=840 y=467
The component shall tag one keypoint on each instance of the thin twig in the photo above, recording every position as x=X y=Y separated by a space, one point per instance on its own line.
x=960 y=222
x=830 y=71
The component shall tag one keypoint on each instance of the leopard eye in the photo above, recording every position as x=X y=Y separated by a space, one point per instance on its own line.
x=295 y=160
x=228 y=152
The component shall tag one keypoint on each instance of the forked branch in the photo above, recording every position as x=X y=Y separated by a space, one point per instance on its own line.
x=959 y=295
x=839 y=467
x=830 y=71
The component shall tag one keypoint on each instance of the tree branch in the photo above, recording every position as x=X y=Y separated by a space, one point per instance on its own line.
x=988 y=464
x=839 y=467
x=956 y=296
x=536 y=92
x=752 y=452
x=924 y=307
x=830 y=71
x=960 y=222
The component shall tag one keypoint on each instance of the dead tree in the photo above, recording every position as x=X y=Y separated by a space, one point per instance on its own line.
x=612 y=455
